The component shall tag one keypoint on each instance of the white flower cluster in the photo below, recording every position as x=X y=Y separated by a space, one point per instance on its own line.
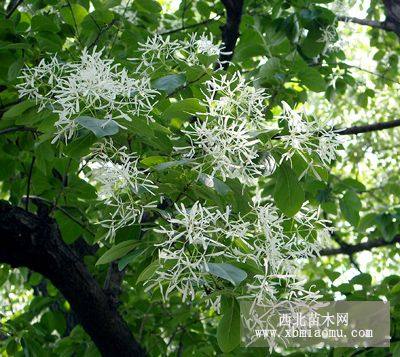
x=199 y=235
x=161 y=49
x=224 y=139
x=122 y=185
x=308 y=137
x=92 y=86
x=228 y=148
x=232 y=97
x=331 y=40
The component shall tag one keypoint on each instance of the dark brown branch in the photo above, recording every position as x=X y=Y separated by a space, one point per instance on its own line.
x=33 y=242
x=391 y=23
x=12 y=7
x=191 y=26
x=113 y=282
x=17 y=128
x=350 y=249
x=230 y=31
x=52 y=206
x=382 y=25
x=392 y=10
x=28 y=188
x=101 y=32
x=368 y=128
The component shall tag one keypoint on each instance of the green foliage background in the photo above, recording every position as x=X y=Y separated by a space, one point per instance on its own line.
x=280 y=46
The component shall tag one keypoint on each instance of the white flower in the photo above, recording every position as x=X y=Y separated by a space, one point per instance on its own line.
x=122 y=185
x=159 y=48
x=197 y=236
x=206 y=46
x=196 y=45
x=227 y=147
x=193 y=239
x=93 y=86
x=45 y=74
x=308 y=137
x=231 y=96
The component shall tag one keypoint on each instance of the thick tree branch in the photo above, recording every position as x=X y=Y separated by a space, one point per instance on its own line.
x=230 y=31
x=34 y=242
x=350 y=249
x=391 y=23
x=368 y=128
x=382 y=25
x=12 y=7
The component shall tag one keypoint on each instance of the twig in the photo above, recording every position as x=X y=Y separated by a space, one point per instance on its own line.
x=353 y=261
x=75 y=23
x=103 y=30
x=187 y=27
x=17 y=128
x=186 y=85
x=28 y=188
x=63 y=210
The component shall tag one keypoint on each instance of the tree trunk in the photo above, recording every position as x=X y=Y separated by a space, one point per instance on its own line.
x=35 y=242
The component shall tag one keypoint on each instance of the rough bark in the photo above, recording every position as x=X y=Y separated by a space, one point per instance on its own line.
x=230 y=31
x=35 y=242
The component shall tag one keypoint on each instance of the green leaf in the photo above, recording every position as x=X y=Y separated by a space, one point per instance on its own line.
x=117 y=251
x=99 y=127
x=312 y=79
x=18 y=109
x=148 y=272
x=345 y=288
x=183 y=110
x=167 y=165
x=228 y=331
x=350 y=206
x=269 y=70
x=80 y=146
x=73 y=14
x=170 y=83
x=288 y=194
x=331 y=274
x=130 y=258
x=367 y=221
x=362 y=279
x=353 y=184
x=149 y=5
x=44 y=23
x=312 y=45
x=154 y=160
x=227 y=272
x=221 y=187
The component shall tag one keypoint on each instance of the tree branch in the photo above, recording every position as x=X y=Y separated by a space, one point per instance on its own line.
x=391 y=23
x=382 y=25
x=368 y=128
x=34 y=242
x=12 y=7
x=187 y=27
x=17 y=128
x=350 y=249
x=230 y=31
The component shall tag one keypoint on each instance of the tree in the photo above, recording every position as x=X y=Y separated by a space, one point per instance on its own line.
x=159 y=164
